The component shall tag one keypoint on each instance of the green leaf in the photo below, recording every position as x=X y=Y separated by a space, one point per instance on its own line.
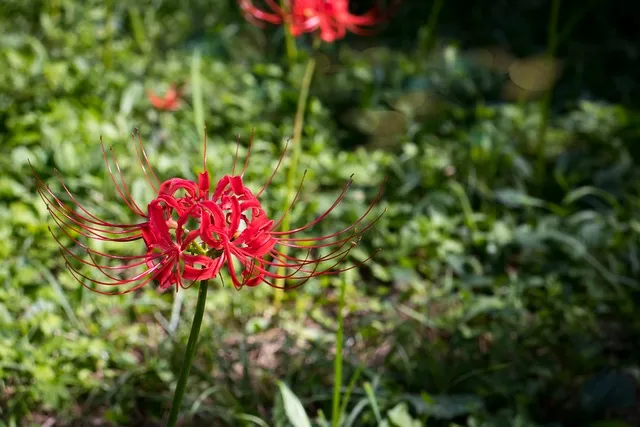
x=400 y=417
x=581 y=192
x=131 y=95
x=368 y=388
x=516 y=198
x=483 y=305
x=293 y=407
x=66 y=157
x=445 y=406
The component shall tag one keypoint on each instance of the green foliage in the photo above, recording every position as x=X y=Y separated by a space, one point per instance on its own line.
x=496 y=301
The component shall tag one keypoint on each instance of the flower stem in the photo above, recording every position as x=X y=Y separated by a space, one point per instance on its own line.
x=197 y=98
x=295 y=157
x=107 y=53
x=337 y=364
x=545 y=106
x=188 y=355
x=289 y=41
x=429 y=39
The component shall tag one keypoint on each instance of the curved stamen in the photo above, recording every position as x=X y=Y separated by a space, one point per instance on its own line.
x=139 y=147
x=326 y=213
x=246 y=162
x=136 y=208
x=276 y=168
x=295 y=199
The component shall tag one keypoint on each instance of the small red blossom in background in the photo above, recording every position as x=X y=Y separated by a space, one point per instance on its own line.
x=190 y=233
x=331 y=17
x=169 y=102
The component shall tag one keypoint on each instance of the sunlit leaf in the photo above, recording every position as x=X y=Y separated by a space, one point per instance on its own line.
x=293 y=407
x=400 y=417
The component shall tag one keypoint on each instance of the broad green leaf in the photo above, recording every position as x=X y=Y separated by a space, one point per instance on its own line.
x=445 y=406
x=516 y=198
x=293 y=407
x=132 y=94
x=400 y=417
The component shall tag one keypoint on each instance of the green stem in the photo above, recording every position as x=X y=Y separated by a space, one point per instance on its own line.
x=107 y=54
x=337 y=364
x=545 y=105
x=432 y=23
x=295 y=157
x=289 y=41
x=188 y=355
x=197 y=98
x=137 y=27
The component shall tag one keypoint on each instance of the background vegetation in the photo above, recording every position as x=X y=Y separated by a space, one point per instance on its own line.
x=507 y=290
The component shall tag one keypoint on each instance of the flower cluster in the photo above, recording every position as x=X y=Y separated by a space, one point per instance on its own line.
x=331 y=17
x=192 y=230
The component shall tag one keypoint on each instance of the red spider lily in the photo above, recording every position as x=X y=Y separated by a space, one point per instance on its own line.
x=191 y=235
x=170 y=101
x=235 y=226
x=331 y=17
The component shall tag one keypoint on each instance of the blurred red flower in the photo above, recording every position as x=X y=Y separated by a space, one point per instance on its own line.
x=169 y=102
x=331 y=17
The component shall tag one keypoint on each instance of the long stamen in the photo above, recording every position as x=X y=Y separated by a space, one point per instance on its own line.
x=93 y=219
x=138 y=147
x=118 y=282
x=113 y=179
x=280 y=256
x=66 y=213
x=326 y=213
x=276 y=168
x=135 y=206
x=93 y=230
x=235 y=159
x=317 y=220
x=76 y=273
x=331 y=256
x=295 y=199
x=77 y=242
x=246 y=162
x=290 y=242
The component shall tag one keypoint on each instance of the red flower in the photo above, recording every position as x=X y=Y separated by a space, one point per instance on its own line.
x=331 y=17
x=190 y=234
x=170 y=101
